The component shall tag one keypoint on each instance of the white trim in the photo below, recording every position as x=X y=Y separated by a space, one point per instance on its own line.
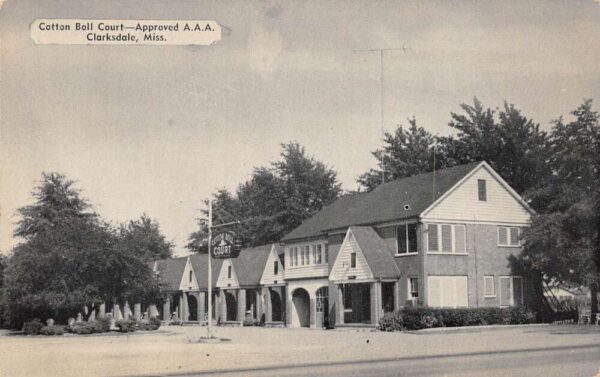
x=472 y=222
x=511 y=290
x=340 y=252
x=406 y=254
x=416 y=223
x=439 y=237
x=493 y=286
x=508 y=237
x=443 y=253
x=467 y=176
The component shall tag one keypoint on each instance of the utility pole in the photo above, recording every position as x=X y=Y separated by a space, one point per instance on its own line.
x=381 y=88
x=209 y=327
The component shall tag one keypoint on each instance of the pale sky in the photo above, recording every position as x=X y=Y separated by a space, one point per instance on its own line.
x=156 y=129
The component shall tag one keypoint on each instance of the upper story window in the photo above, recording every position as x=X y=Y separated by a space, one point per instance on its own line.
x=190 y=276
x=406 y=239
x=481 y=190
x=309 y=254
x=509 y=236
x=446 y=238
x=275 y=268
x=229 y=272
x=353 y=260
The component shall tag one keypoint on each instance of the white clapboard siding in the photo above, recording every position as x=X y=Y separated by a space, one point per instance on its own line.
x=341 y=268
x=463 y=202
x=186 y=284
x=268 y=275
x=223 y=281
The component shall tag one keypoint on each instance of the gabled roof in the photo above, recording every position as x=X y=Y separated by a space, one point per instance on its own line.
x=385 y=203
x=200 y=266
x=250 y=264
x=170 y=272
x=376 y=251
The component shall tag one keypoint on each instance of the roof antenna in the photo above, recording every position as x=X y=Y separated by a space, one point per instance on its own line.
x=381 y=50
x=433 y=193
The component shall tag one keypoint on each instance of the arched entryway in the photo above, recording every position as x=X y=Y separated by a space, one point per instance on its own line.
x=192 y=308
x=276 y=314
x=301 y=308
x=231 y=303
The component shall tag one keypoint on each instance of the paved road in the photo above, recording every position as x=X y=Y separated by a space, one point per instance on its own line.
x=583 y=360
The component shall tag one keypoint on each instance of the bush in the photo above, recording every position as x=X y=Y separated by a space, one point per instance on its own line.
x=155 y=321
x=126 y=325
x=421 y=318
x=391 y=322
x=33 y=327
x=102 y=325
x=82 y=328
x=251 y=322
x=52 y=330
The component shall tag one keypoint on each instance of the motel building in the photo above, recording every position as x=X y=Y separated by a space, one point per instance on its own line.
x=438 y=240
x=248 y=287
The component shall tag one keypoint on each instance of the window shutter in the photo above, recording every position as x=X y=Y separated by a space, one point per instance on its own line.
x=447 y=238
x=434 y=291
x=502 y=235
x=505 y=294
x=461 y=293
x=401 y=237
x=517 y=291
x=432 y=237
x=459 y=239
x=488 y=286
x=514 y=236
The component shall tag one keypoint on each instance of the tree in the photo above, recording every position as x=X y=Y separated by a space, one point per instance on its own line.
x=69 y=259
x=563 y=240
x=275 y=200
x=143 y=237
x=406 y=152
x=512 y=144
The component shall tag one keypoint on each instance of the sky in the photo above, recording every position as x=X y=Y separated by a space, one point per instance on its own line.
x=157 y=129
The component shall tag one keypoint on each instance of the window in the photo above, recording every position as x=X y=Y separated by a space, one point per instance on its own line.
x=481 y=190
x=322 y=299
x=406 y=239
x=489 y=290
x=447 y=291
x=190 y=276
x=326 y=253
x=509 y=236
x=319 y=254
x=275 y=268
x=413 y=288
x=314 y=253
x=511 y=291
x=307 y=254
x=352 y=260
x=229 y=272
x=302 y=256
x=446 y=238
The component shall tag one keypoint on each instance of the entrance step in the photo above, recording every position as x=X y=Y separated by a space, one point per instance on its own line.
x=231 y=323
x=274 y=324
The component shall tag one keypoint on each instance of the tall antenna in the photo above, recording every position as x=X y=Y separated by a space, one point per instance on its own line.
x=381 y=50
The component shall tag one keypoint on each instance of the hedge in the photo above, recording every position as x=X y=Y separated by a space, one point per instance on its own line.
x=422 y=318
x=52 y=330
x=33 y=327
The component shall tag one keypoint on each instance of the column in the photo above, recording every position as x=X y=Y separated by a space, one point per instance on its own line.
x=289 y=308
x=241 y=304
x=137 y=311
x=339 y=303
x=312 y=312
x=167 y=309
x=259 y=304
x=223 y=306
x=102 y=310
x=375 y=302
x=268 y=308
x=396 y=296
x=202 y=315
x=184 y=307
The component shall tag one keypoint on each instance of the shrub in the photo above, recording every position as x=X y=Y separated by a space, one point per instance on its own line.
x=102 y=325
x=391 y=322
x=155 y=321
x=33 y=327
x=82 y=328
x=126 y=325
x=420 y=318
x=52 y=330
